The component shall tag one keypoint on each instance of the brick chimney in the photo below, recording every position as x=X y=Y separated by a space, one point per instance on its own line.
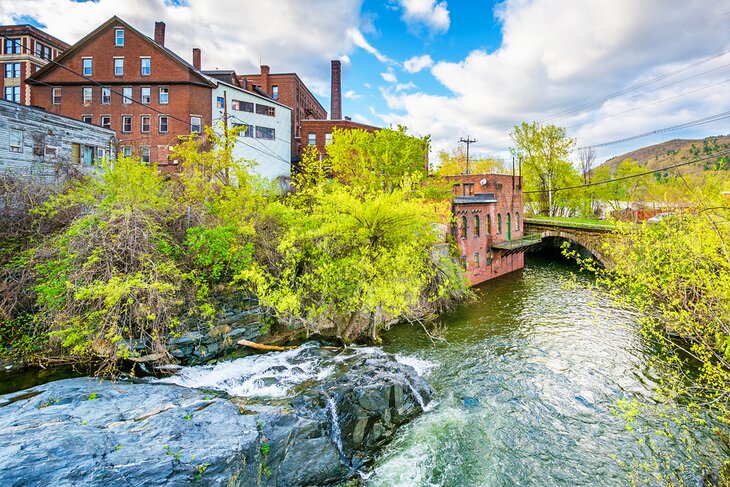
x=160 y=33
x=265 y=70
x=196 y=58
x=336 y=105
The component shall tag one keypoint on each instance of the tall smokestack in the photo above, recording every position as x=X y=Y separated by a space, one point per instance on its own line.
x=265 y=79
x=196 y=58
x=336 y=104
x=160 y=33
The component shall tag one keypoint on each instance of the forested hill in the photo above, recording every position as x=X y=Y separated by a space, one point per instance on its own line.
x=674 y=151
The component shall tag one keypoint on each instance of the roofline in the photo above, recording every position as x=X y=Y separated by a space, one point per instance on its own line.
x=111 y=132
x=258 y=95
x=327 y=120
x=93 y=34
x=297 y=77
x=46 y=35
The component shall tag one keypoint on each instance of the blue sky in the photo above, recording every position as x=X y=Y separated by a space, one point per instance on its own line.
x=449 y=68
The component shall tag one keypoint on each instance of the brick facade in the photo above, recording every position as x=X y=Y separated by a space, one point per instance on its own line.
x=35 y=50
x=488 y=210
x=189 y=91
x=320 y=129
x=292 y=92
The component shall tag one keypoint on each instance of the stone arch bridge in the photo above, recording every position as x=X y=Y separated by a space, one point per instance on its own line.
x=591 y=237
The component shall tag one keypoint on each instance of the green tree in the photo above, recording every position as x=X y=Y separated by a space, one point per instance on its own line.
x=621 y=191
x=454 y=163
x=543 y=151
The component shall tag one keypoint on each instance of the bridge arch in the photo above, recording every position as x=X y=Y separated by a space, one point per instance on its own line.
x=591 y=245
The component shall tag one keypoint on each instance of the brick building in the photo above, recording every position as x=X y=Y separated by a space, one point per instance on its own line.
x=319 y=132
x=488 y=211
x=289 y=89
x=121 y=79
x=23 y=51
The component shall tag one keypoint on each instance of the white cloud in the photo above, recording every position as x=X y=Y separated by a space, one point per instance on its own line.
x=417 y=63
x=432 y=14
x=405 y=86
x=389 y=76
x=351 y=95
x=230 y=36
x=557 y=54
x=359 y=40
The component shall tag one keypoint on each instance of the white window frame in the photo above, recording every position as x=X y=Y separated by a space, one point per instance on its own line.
x=116 y=60
x=56 y=95
x=90 y=118
x=142 y=59
x=199 y=124
x=142 y=119
x=328 y=138
x=127 y=117
x=142 y=98
x=127 y=100
x=109 y=124
x=159 y=124
x=91 y=66
x=106 y=91
x=87 y=95
x=13 y=137
x=118 y=37
x=167 y=95
x=127 y=151
x=15 y=96
x=312 y=138
x=142 y=153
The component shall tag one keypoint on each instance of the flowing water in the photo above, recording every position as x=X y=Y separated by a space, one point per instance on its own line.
x=525 y=389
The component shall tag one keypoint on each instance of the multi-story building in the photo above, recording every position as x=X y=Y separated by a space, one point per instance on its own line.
x=290 y=90
x=488 y=210
x=119 y=78
x=318 y=133
x=24 y=50
x=43 y=146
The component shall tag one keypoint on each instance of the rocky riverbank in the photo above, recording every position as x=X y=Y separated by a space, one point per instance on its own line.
x=310 y=416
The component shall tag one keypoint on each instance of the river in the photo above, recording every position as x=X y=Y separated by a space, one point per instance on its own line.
x=526 y=388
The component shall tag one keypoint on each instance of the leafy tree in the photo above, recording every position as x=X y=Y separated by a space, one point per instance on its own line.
x=544 y=150
x=454 y=163
x=622 y=190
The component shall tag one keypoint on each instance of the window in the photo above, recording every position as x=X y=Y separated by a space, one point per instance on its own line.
x=275 y=92
x=12 y=70
x=219 y=102
x=16 y=140
x=119 y=37
x=164 y=95
x=145 y=66
x=118 y=66
x=106 y=95
x=476 y=225
x=265 y=133
x=463 y=227
x=56 y=95
x=265 y=110
x=247 y=130
x=127 y=95
x=126 y=124
x=517 y=222
x=476 y=260
x=144 y=124
x=87 y=118
x=162 y=125
x=13 y=46
x=196 y=124
x=88 y=94
x=144 y=153
x=463 y=261
x=456 y=189
x=12 y=93
x=327 y=139
x=312 y=138
x=100 y=153
x=106 y=121
x=87 y=64
x=489 y=223
x=42 y=51
x=145 y=95
x=499 y=223
x=127 y=151
x=489 y=259
x=243 y=106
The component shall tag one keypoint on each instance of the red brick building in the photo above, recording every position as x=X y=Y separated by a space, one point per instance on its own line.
x=289 y=89
x=319 y=132
x=119 y=78
x=23 y=51
x=488 y=212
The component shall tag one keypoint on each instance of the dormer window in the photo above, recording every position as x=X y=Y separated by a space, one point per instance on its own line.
x=119 y=37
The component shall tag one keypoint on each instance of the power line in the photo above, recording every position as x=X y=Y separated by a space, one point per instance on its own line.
x=645 y=173
x=468 y=141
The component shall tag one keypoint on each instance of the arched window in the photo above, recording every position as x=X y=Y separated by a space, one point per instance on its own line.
x=476 y=226
x=509 y=227
x=463 y=261
x=517 y=222
x=476 y=260
x=489 y=223
x=463 y=227
x=499 y=223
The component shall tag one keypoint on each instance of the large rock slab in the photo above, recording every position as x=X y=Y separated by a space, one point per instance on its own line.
x=320 y=431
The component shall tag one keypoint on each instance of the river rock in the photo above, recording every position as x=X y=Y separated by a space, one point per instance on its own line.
x=89 y=432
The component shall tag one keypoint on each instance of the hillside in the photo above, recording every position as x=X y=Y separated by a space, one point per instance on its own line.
x=673 y=152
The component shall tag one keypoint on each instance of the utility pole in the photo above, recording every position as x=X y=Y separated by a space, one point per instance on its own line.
x=468 y=141
x=225 y=133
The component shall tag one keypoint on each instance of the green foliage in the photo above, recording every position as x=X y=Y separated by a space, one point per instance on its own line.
x=615 y=192
x=454 y=163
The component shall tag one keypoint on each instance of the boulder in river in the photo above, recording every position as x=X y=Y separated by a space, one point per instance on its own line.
x=316 y=420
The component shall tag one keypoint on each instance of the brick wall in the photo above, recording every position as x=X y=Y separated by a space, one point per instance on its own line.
x=320 y=128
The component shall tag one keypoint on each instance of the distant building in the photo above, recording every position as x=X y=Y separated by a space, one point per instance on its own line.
x=24 y=50
x=318 y=133
x=41 y=145
x=488 y=229
x=290 y=90
x=119 y=78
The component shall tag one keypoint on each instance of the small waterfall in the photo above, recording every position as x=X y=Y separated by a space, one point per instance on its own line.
x=335 y=432
x=418 y=396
